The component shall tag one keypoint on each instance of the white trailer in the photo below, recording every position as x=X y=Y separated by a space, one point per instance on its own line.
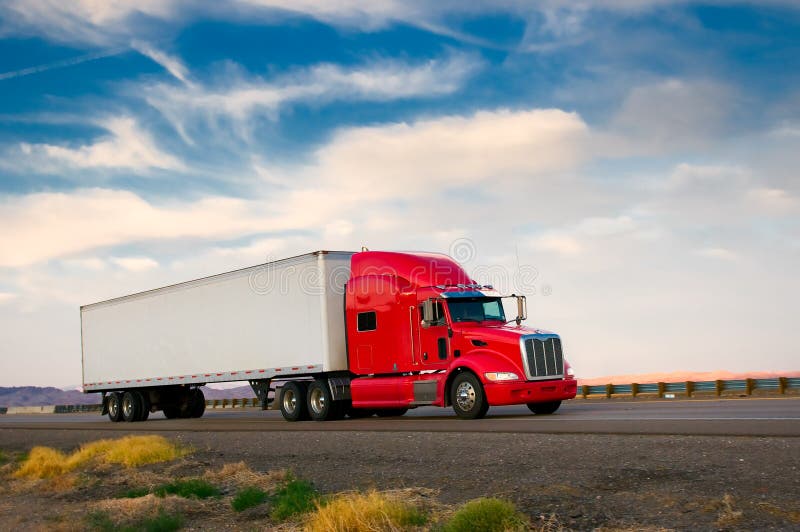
x=151 y=350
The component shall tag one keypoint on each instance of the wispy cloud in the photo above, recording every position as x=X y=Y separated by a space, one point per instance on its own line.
x=173 y=65
x=241 y=99
x=126 y=146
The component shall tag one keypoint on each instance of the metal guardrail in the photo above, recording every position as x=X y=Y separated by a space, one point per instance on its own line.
x=746 y=387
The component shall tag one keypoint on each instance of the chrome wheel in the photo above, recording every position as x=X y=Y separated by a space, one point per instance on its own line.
x=465 y=396
x=289 y=401
x=317 y=401
x=113 y=407
x=127 y=406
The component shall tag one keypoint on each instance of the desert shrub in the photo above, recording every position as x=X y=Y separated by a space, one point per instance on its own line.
x=188 y=488
x=293 y=498
x=130 y=451
x=248 y=498
x=357 y=512
x=487 y=514
x=163 y=521
x=134 y=493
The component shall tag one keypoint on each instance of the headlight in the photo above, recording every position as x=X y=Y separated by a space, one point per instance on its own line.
x=501 y=376
x=568 y=366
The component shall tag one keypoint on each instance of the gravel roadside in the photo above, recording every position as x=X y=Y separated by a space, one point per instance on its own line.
x=582 y=482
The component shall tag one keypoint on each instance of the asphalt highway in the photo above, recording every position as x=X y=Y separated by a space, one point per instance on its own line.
x=728 y=417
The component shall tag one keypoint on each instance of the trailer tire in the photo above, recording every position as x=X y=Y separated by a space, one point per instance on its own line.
x=171 y=411
x=144 y=404
x=543 y=409
x=392 y=412
x=467 y=397
x=114 y=405
x=293 y=402
x=321 y=406
x=131 y=406
x=197 y=403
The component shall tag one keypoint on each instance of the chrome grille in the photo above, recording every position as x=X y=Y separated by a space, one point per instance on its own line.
x=542 y=358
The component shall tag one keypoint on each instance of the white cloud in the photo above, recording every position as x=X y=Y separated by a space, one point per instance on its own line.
x=42 y=226
x=126 y=147
x=104 y=22
x=7 y=297
x=90 y=21
x=488 y=146
x=559 y=243
x=669 y=115
x=87 y=263
x=717 y=253
x=242 y=99
x=773 y=200
x=135 y=264
x=173 y=65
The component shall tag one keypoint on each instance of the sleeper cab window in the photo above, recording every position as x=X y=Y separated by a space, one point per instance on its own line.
x=367 y=321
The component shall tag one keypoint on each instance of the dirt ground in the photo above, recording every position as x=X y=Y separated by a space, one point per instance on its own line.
x=578 y=482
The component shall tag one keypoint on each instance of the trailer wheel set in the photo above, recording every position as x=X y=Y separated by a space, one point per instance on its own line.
x=136 y=405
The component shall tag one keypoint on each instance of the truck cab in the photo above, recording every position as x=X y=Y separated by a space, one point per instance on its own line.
x=420 y=331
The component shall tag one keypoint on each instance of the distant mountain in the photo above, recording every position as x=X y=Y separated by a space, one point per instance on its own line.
x=682 y=376
x=38 y=396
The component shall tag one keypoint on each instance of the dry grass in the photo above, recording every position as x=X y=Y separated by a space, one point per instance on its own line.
x=365 y=512
x=728 y=514
x=239 y=475
x=130 y=451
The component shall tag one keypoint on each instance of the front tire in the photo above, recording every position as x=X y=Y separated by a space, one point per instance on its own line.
x=293 y=401
x=114 y=401
x=544 y=408
x=468 y=398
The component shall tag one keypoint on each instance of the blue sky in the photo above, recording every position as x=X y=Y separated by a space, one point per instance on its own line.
x=635 y=160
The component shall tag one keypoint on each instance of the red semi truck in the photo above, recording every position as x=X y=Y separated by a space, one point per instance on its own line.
x=340 y=333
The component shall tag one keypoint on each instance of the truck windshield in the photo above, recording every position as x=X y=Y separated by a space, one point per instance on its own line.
x=476 y=309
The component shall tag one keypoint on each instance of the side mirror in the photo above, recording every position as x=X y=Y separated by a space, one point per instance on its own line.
x=428 y=311
x=522 y=309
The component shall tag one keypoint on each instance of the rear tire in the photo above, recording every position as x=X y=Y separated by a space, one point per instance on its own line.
x=294 y=406
x=321 y=406
x=114 y=403
x=145 y=403
x=131 y=406
x=391 y=412
x=197 y=403
x=171 y=411
x=467 y=396
x=543 y=409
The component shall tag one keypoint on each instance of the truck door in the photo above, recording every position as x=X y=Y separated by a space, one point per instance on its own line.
x=433 y=347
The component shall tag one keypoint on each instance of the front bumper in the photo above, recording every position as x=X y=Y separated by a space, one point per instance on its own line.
x=517 y=393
